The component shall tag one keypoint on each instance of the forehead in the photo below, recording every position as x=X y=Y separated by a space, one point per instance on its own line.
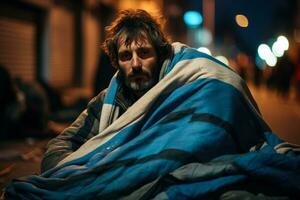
x=140 y=40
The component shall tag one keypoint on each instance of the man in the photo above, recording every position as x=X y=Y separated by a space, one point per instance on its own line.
x=174 y=123
x=137 y=50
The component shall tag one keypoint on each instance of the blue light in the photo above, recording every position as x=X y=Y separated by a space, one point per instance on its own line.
x=192 y=19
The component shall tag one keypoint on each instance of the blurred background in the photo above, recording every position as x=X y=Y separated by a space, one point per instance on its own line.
x=51 y=63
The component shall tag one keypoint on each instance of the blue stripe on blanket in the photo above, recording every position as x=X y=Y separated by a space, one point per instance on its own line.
x=274 y=174
x=113 y=89
x=264 y=171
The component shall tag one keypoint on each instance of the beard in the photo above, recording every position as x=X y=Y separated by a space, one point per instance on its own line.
x=140 y=81
x=139 y=86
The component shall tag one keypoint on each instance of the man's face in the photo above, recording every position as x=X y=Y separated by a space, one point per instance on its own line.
x=138 y=63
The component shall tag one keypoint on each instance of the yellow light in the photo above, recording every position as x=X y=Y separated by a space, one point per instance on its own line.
x=242 y=20
x=152 y=7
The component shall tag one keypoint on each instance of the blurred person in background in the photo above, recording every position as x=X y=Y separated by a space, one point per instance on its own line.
x=284 y=73
x=34 y=118
x=24 y=108
x=11 y=105
x=281 y=77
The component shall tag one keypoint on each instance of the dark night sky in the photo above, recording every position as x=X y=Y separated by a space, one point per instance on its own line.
x=267 y=19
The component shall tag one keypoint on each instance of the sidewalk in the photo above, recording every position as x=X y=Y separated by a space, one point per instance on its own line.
x=20 y=158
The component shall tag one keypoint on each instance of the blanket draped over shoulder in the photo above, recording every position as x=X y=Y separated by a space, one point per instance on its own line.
x=196 y=134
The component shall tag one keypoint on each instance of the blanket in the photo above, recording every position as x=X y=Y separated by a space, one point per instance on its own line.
x=196 y=134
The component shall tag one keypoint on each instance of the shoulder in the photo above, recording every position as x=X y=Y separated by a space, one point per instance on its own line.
x=99 y=97
x=95 y=104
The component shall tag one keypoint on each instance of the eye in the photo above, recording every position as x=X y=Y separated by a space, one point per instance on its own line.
x=144 y=53
x=125 y=56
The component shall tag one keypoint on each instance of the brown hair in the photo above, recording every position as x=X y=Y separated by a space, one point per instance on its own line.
x=136 y=24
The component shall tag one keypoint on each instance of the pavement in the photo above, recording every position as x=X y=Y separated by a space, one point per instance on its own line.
x=22 y=157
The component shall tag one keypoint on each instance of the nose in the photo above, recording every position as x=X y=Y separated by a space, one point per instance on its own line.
x=136 y=62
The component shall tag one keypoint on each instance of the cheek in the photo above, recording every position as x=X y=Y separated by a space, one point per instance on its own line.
x=124 y=67
x=151 y=64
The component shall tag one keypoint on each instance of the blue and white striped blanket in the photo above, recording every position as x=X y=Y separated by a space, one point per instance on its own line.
x=196 y=134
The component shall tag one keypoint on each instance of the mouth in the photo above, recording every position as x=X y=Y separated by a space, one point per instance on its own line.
x=138 y=77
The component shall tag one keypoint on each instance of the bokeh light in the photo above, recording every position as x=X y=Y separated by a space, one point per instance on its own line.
x=265 y=53
x=283 y=41
x=271 y=60
x=192 y=19
x=277 y=49
x=204 y=37
x=242 y=20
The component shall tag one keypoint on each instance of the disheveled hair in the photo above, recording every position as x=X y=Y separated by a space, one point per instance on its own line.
x=136 y=24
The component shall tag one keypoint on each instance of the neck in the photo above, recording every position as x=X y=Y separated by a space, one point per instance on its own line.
x=138 y=94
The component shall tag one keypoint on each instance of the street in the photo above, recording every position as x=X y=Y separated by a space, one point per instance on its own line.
x=282 y=114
